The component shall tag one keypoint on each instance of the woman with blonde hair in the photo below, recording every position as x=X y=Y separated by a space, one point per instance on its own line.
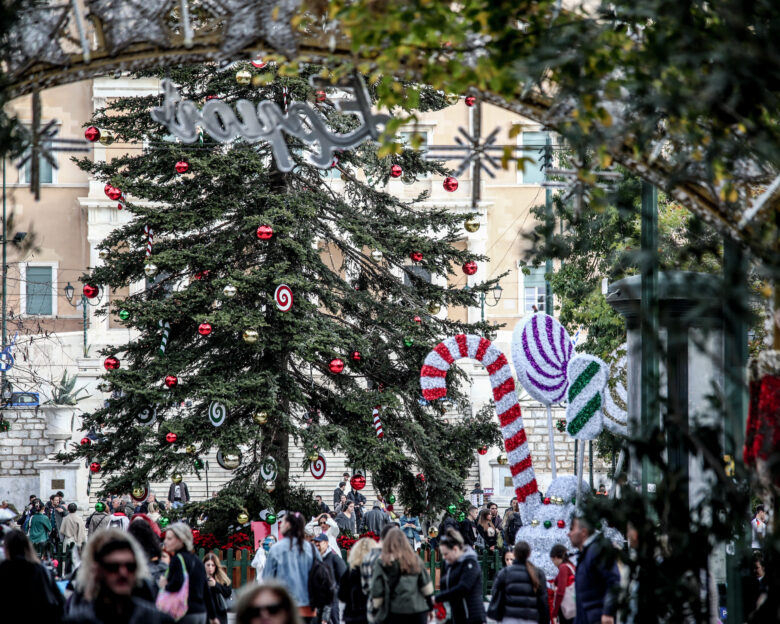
x=350 y=587
x=269 y=603
x=219 y=585
x=401 y=589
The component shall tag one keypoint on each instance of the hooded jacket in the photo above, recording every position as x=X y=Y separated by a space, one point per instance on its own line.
x=461 y=586
x=513 y=595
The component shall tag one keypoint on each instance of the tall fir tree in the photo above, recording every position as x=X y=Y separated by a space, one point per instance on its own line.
x=372 y=313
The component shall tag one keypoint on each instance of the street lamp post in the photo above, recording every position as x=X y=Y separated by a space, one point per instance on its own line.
x=496 y=293
x=69 y=292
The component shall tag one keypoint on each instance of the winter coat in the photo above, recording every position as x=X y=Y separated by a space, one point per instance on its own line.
x=143 y=613
x=468 y=529
x=597 y=581
x=448 y=522
x=118 y=520
x=97 y=521
x=374 y=521
x=351 y=594
x=513 y=595
x=336 y=564
x=337 y=493
x=39 y=529
x=489 y=540
x=512 y=525
x=345 y=523
x=461 y=586
x=28 y=592
x=72 y=529
x=185 y=492
x=55 y=514
x=412 y=534
x=199 y=598
x=220 y=589
x=392 y=592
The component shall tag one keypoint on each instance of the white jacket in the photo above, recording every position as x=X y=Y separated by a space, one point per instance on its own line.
x=313 y=528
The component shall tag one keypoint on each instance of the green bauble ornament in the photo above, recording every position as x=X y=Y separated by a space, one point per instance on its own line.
x=124 y=315
x=547 y=524
x=452 y=508
x=391 y=499
x=198 y=463
x=574 y=501
x=461 y=500
x=100 y=507
x=408 y=342
x=270 y=518
x=461 y=517
x=163 y=522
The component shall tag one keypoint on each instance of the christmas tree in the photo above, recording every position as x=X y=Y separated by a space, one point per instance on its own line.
x=220 y=362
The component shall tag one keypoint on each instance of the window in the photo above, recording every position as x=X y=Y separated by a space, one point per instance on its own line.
x=532 y=146
x=38 y=289
x=405 y=138
x=533 y=290
x=46 y=171
x=419 y=271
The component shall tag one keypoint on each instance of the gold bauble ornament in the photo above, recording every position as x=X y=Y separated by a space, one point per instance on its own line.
x=138 y=492
x=177 y=478
x=107 y=137
x=250 y=336
x=231 y=460
x=243 y=517
x=534 y=523
x=434 y=308
x=313 y=456
x=103 y=254
x=471 y=225
x=452 y=99
x=150 y=270
x=502 y=459
x=229 y=291
x=191 y=449
x=433 y=532
x=269 y=486
x=260 y=418
x=243 y=77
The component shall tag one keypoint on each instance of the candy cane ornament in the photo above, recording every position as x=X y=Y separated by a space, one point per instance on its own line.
x=432 y=381
x=378 y=423
x=149 y=233
x=166 y=327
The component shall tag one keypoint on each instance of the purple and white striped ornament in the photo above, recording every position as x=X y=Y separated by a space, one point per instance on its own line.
x=541 y=350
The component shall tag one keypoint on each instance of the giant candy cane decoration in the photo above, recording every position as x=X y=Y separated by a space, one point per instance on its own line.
x=432 y=380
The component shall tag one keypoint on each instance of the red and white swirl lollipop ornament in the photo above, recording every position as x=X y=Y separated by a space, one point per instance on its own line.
x=318 y=467
x=432 y=381
x=283 y=297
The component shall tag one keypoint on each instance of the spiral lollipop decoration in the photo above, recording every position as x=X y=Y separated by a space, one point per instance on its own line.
x=283 y=296
x=432 y=381
x=616 y=395
x=318 y=467
x=217 y=413
x=541 y=350
x=587 y=376
x=268 y=469
x=378 y=423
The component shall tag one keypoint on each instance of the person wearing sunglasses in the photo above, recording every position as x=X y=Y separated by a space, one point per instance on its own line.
x=325 y=524
x=269 y=603
x=113 y=566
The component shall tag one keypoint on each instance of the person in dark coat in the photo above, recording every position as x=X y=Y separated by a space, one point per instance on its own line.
x=219 y=586
x=468 y=528
x=178 y=542
x=520 y=590
x=346 y=519
x=350 y=586
x=337 y=568
x=597 y=581
x=374 y=520
x=178 y=494
x=486 y=530
x=461 y=579
x=27 y=590
x=339 y=492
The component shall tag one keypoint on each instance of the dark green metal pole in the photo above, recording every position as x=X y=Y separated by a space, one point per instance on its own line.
x=548 y=215
x=735 y=311
x=2 y=381
x=649 y=323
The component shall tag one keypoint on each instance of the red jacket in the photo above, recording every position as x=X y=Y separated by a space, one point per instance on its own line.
x=562 y=581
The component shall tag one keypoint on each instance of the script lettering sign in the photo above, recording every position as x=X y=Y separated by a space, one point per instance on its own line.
x=266 y=122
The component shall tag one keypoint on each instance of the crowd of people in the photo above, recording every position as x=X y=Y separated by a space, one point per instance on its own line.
x=125 y=570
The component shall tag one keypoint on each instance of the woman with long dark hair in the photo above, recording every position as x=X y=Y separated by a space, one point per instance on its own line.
x=487 y=530
x=461 y=580
x=401 y=590
x=520 y=591
x=290 y=561
x=219 y=585
x=565 y=579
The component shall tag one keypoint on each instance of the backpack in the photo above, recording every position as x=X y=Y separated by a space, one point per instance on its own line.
x=322 y=585
x=115 y=523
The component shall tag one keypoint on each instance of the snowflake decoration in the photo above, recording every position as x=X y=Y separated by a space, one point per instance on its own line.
x=36 y=39
x=132 y=21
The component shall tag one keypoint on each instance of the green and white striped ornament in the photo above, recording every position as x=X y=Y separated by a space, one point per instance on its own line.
x=166 y=327
x=587 y=376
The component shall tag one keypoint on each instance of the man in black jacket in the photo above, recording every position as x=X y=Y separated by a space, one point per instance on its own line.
x=468 y=528
x=339 y=492
x=337 y=567
x=597 y=580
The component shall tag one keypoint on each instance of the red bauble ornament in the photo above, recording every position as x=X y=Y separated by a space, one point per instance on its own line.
x=396 y=171
x=561 y=524
x=450 y=184
x=336 y=365
x=171 y=380
x=113 y=193
x=356 y=356
x=92 y=134
x=94 y=467
x=546 y=500
x=421 y=476
x=182 y=166
x=201 y=275
x=171 y=437
x=416 y=256
x=107 y=187
x=470 y=267
x=204 y=329
x=90 y=291
x=265 y=232
x=357 y=482
x=320 y=95
x=482 y=450
x=417 y=320
x=85 y=441
x=111 y=363
x=470 y=100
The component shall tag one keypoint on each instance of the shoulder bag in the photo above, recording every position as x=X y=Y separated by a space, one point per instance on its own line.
x=175 y=603
x=568 y=605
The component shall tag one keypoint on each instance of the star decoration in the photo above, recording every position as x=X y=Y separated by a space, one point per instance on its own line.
x=126 y=22
x=35 y=39
x=250 y=20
